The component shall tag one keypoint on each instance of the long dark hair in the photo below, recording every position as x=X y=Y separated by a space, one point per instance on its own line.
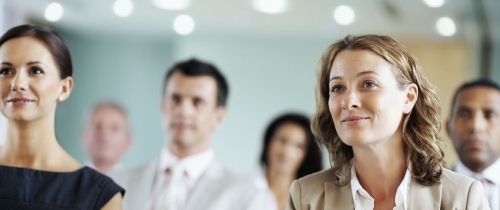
x=312 y=159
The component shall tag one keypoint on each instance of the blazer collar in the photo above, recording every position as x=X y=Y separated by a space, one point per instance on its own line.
x=419 y=196
x=338 y=197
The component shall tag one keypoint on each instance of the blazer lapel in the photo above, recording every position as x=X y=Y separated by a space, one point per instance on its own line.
x=143 y=184
x=338 y=197
x=206 y=190
x=138 y=186
x=424 y=197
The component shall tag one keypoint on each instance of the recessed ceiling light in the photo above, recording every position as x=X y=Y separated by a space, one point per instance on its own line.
x=184 y=25
x=445 y=26
x=54 y=12
x=434 y=3
x=344 y=15
x=172 y=4
x=123 y=8
x=270 y=6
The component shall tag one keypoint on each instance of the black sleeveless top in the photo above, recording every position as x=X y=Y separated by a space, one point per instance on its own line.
x=28 y=189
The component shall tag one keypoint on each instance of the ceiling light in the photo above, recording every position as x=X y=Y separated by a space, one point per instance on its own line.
x=344 y=15
x=172 y=4
x=123 y=8
x=184 y=24
x=270 y=6
x=434 y=3
x=54 y=12
x=445 y=26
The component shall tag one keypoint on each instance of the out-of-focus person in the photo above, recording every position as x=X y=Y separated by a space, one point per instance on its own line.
x=474 y=128
x=186 y=175
x=106 y=136
x=288 y=152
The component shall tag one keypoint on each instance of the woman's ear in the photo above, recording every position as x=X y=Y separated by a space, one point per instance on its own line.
x=410 y=98
x=67 y=87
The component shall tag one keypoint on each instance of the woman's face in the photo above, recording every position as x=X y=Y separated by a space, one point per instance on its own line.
x=366 y=102
x=287 y=149
x=30 y=85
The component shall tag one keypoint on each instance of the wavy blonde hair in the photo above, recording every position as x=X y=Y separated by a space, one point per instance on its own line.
x=420 y=127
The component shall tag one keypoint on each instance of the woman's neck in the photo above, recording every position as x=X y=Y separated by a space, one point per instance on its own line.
x=34 y=145
x=381 y=168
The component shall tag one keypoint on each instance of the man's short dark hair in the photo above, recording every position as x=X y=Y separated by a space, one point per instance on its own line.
x=482 y=82
x=194 y=67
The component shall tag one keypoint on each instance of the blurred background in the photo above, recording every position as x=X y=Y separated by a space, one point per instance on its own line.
x=268 y=50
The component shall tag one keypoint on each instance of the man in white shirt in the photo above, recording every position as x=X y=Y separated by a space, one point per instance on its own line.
x=106 y=136
x=186 y=176
x=474 y=128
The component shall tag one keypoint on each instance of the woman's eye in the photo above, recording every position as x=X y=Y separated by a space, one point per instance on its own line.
x=336 y=88
x=36 y=71
x=368 y=84
x=5 y=71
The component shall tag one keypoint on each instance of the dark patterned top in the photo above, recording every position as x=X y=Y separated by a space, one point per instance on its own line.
x=28 y=189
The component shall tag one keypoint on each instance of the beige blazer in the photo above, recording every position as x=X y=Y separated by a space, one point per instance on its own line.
x=138 y=183
x=455 y=192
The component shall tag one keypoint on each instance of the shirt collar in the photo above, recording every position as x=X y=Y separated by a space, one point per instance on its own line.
x=260 y=179
x=490 y=173
x=193 y=165
x=401 y=192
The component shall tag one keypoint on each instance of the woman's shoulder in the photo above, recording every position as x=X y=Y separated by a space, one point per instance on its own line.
x=319 y=177
x=103 y=186
x=102 y=182
x=451 y=179
x=458 y=189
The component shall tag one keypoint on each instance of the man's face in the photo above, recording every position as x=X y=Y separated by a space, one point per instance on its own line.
x=474 y=127
x=106 y=137
x=190 y=111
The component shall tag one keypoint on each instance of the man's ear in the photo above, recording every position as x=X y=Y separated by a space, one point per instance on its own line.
x=221 y=114
x=162 y=105
x=66 y=88
x=410 y=98
x=128 y=143
x=448 y=128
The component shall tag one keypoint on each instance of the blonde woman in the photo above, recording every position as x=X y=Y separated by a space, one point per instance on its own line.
x=379 y=118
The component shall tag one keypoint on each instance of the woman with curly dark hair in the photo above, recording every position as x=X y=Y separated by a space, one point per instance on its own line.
x=379 y=118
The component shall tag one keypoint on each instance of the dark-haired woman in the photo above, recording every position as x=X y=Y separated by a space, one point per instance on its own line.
x=35 y=171
x=289 y=152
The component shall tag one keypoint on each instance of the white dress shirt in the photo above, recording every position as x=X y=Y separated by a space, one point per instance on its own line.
x=491 y=187
x=175 y=178
x=249 y=193
x=363 y=200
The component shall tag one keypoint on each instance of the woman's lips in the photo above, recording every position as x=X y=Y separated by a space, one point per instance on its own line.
x=352 y=120
x=20 y=101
